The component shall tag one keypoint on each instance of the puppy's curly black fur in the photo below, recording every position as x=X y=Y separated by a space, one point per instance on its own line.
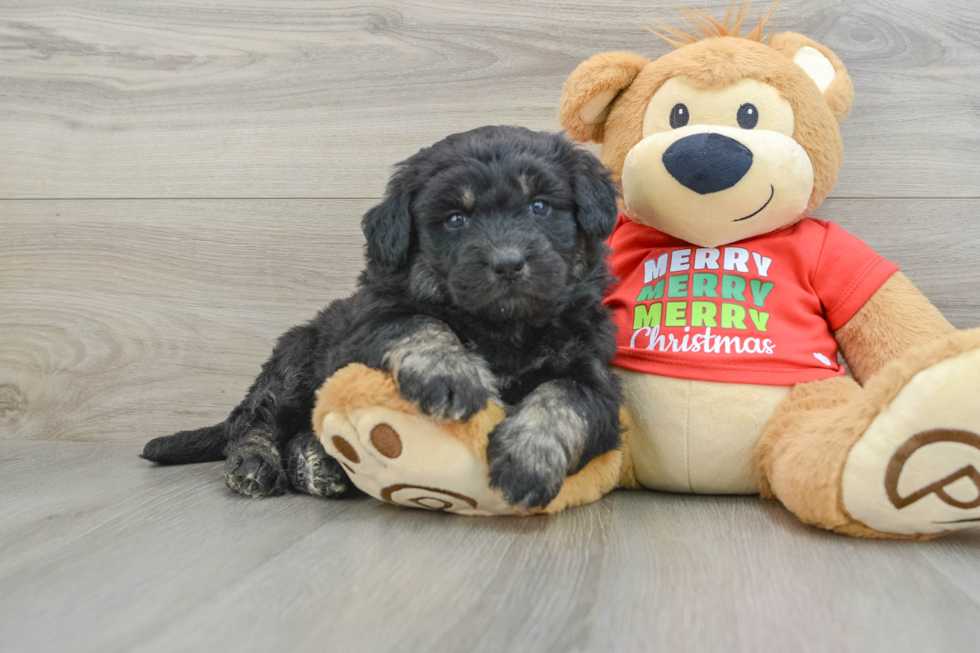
x=485 y=275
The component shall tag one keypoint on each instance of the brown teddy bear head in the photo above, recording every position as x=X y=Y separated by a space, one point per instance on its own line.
x=723 y=139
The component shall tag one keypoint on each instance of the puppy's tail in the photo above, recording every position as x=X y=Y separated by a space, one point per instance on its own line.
x=198 y=446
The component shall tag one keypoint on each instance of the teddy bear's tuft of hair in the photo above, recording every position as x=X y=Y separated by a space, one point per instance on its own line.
x=709 y=28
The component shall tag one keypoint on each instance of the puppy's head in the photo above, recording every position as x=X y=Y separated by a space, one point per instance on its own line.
x=499 y=222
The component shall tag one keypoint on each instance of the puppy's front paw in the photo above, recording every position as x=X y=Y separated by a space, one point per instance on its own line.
x=449 y=388
x=434 y=370
x=526 y=464
x=254 y=468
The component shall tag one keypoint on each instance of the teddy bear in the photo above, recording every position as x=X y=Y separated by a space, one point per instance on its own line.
x=731 y=308
x=733 y=304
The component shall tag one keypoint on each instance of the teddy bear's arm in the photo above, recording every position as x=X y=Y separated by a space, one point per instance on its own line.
x=897 y=318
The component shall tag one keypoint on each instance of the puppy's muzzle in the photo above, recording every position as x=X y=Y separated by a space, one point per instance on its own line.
x=707 y=163
x=508 y=264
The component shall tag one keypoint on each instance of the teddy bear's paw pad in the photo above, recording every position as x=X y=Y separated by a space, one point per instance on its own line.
x=409 y=460
x=386 y=441
x=343 y=443
x=916 y=470
x=430 y=498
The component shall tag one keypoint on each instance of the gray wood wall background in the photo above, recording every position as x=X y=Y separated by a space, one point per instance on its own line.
x=181 y=182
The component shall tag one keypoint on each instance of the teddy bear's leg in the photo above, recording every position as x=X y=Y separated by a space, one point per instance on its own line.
x=601 y=476
x=898 y=458
x=393 y=452
x=800 y=456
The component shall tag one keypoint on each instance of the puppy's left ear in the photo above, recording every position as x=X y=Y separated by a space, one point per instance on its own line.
x=388 y=226
x=595 y=196
x=822 y=66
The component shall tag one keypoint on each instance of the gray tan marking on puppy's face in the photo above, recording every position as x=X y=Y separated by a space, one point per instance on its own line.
x=467 y=198
x=525 y=186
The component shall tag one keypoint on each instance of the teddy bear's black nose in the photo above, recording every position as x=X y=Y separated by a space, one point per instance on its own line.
x=707 y=163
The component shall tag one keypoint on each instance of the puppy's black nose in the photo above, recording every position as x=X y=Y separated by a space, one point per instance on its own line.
x=508 y=264
x=707 y=163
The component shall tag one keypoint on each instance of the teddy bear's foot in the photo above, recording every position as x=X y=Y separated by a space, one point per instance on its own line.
x=393 y=452
x=916 y=469
x=410 y=460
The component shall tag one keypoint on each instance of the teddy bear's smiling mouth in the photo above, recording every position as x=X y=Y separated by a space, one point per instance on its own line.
x=772 y=194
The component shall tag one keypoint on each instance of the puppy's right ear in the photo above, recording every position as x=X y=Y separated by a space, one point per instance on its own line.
x=388 y=226
x=591 y=89
x=595 y=196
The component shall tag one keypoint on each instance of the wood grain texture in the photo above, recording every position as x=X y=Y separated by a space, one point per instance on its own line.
x=103 y=552
x=124 y=320
x=298 y=98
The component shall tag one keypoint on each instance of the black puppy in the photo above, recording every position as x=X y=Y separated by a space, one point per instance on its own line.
x=485 y=275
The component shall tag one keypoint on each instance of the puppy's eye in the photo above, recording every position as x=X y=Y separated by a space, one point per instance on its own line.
x=540 y=208
x=679 y=116
x=456 y=221
x=748 y=116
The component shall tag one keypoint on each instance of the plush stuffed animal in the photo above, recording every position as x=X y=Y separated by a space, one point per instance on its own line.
x=732 y=306
x=395 y=453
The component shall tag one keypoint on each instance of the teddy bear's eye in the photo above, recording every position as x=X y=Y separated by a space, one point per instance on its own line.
x=748 y=116
x=679 y=116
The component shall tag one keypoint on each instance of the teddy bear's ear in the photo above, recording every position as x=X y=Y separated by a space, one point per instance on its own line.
x=590 y=90
x=822 y=66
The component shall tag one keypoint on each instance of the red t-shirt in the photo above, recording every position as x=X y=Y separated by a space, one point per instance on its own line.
x=759 y=311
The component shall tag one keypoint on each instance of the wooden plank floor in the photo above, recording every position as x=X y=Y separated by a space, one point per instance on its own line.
x=182 y=181
x=103 y=553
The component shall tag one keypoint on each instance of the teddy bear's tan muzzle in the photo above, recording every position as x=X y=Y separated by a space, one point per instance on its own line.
x=712 y=185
